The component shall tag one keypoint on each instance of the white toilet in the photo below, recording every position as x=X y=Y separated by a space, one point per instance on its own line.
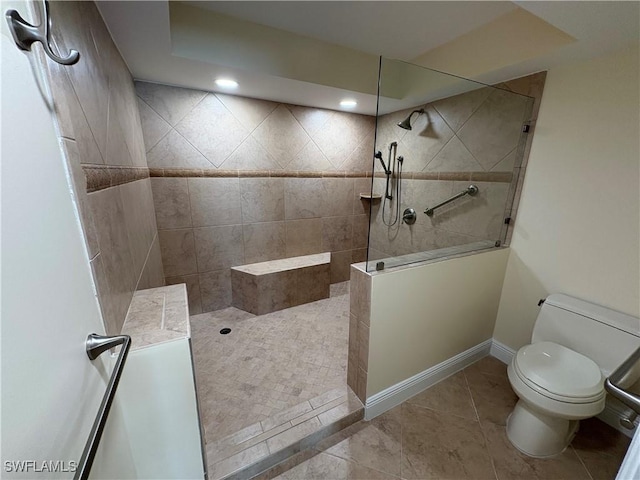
x=559 y=377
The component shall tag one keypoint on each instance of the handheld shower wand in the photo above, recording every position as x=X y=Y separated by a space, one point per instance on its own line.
x=378 y=155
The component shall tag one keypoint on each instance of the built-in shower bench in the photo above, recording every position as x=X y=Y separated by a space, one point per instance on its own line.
x=265 y=287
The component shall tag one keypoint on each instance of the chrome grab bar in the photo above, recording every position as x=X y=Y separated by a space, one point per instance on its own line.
x=611 y=384
x=95 y=345
x=470 y=190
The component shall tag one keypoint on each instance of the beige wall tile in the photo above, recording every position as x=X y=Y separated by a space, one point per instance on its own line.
x=250 y=112
x=358 y=255
x=108 y=307
x=303 y=237
x=429 y=135
x=215 y=201
x=262 y=199
x=154 y=127
x=264 y=241
x=153 y=271
x=171 y=103
x=80 y=186
x=454 y=157
x=71 y=119
x=96 y=106
x=79 y=26
x=456 y=110
x=360 y=205
x=340 y=265
x=281 y=135
x=361 y=159
x=302 y=198
x=480 y=216
x=212 y=129
x=193 y=291
x=219 y=247
x=494 y=129
x=337 y=233
x=341 y=136
x=310 y=159
x=116 y=270
x=139 y=220
x=360 y=231
x=337 y=197
x=215 y=288
x=250 y=155
x=178 y=252
x=171 y=202
x=174 y=151
x=311 y=119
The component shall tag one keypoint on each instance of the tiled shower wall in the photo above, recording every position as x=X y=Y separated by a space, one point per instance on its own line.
x=99 y=125
x=239 y=180
x=472 y=138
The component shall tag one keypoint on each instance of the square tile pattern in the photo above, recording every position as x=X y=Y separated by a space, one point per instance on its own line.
x=268 y=363
x=454 y=430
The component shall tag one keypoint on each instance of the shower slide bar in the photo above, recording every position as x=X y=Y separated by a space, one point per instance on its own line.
x=95 y=345
x=631 y=400
x=470 y=190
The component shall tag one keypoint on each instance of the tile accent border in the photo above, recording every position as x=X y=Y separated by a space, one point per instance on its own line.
x=499 y=177
x=100 y=177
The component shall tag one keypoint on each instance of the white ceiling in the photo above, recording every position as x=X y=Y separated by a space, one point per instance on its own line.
x=403 y=30
x=395 y=29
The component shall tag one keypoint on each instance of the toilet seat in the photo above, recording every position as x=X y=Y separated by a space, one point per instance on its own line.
x=559 y=373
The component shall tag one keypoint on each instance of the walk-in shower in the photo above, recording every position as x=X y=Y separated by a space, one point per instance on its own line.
x=461 y=145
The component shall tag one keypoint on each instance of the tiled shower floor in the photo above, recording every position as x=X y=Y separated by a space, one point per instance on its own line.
x=268 y=363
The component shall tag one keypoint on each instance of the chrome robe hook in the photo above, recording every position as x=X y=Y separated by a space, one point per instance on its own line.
x=25 y=34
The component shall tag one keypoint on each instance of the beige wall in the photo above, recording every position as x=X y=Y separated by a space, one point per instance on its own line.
x=577 y=230
x=421 y=316
x=99 y=125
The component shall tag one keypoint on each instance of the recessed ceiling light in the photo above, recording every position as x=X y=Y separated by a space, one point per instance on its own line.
x=226 y=83
x=348 y=103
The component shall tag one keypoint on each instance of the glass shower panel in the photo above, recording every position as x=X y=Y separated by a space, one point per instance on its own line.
x=448 y=153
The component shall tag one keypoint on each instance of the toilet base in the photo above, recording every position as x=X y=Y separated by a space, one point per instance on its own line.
x=539 y=435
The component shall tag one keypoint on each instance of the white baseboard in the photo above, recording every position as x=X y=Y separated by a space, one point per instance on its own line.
x=613 y=411
x=400 y=392
x=501 y=352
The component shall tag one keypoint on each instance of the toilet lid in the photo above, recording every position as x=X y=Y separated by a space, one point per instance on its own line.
x=559 y=370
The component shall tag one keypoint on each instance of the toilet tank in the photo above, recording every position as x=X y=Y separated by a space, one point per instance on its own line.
x=604 y=335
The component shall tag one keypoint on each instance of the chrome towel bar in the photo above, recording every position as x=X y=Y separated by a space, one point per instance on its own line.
x=95 y=345
x=470 y=190
x=631 y=400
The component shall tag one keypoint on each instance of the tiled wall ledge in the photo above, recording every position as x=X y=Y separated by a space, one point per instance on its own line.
x=500 y=177
x=100 y=177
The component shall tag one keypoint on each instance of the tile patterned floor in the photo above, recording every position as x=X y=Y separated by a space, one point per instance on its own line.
x=268 y=363
x=454 y=430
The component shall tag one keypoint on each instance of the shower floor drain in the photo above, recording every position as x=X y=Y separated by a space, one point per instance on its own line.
x=224 y=331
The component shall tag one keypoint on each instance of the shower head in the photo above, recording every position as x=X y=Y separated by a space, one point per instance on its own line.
x=406 y=123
